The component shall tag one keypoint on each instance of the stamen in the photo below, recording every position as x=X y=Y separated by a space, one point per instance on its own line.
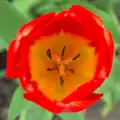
x=48 y=52
x=77 y=56
x=50 y=69
x=61 y=81
x=71 y=70
x=63 y=51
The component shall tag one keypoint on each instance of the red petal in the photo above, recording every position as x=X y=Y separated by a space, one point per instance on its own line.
x=67 y=22
x=84 y=104
x=109 y=51
x=82 y=92
x=13 y=58
x=40 y=21
x=86 y=16
x=43 y=101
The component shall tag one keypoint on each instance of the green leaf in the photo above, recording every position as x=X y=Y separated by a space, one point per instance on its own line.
x=111 y=88
x=10 y=21
x=26 y=109
x=48 y=8
x=103 y=4
x=72 y=116
x=26 y=5
x=35 y=112
x=106 y=109
x=108 y=104
x=3 y=44
x=18 y=104
x=2 y=73
x=35 y=8
x=73 y=1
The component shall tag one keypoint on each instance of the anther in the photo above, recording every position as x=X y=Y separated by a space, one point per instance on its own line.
x=48 y=52
x=77 y=56
x=61 y=81
x=50 y=69
x=71 y=70
x=63 y=51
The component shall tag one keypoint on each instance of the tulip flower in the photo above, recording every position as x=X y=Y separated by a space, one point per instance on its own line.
x=61 y=59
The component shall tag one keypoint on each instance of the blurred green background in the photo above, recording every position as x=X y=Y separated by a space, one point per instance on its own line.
x=13 y=14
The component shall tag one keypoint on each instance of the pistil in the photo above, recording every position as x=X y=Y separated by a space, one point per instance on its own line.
x=60 y=64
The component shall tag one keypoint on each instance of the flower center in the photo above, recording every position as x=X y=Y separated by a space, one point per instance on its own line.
x=60 y=64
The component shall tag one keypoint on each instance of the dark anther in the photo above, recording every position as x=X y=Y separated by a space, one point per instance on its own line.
x=50 y=69
x=77 y=56
x=71 y=70
x=49 y=53
x=61 y=81
x=63 y=51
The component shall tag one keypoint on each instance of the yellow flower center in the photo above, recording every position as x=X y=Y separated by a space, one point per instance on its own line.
x=61 y=63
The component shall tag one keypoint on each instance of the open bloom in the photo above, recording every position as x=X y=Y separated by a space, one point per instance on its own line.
x=61 y=59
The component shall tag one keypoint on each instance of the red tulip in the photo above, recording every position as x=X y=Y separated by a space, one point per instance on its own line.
x=61 y=59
